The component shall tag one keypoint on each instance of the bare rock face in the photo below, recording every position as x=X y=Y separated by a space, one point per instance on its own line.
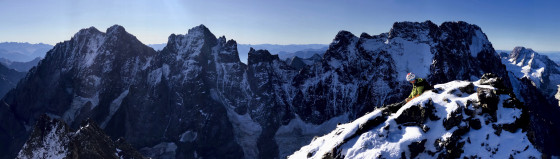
x=488 y=99
x=543 y=117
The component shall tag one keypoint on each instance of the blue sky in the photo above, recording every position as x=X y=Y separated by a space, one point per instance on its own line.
x=507 y=23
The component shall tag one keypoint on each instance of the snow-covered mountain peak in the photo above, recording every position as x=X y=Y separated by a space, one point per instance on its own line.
x=458 y=119
x=190 y=44
x=521 y=56
x=84 y=49
x=543 y=72
x=200 y=29
x=87 y=31
x=343 y=36
x=522 y=49
x=341 y=49
x=115 y=29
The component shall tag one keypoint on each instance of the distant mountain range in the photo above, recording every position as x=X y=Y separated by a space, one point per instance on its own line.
x=8 y=79
x=554 y=56
x=20 y=66
x=284 y=51
x=23 y=52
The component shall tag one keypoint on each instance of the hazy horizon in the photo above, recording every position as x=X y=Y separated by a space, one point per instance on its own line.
x=497 y=49
x=506 y=23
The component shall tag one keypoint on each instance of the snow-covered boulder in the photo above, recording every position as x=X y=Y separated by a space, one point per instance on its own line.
x=449 y=122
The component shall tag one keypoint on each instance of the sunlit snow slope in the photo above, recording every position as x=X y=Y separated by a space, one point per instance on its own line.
x=456 y=119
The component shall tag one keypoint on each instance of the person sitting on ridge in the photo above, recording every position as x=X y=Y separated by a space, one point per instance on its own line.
x=419 y=85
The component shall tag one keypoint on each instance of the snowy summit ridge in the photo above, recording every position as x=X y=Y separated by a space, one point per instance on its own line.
x=457 y=119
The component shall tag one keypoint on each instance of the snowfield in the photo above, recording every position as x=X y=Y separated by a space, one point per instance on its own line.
x=390 y=139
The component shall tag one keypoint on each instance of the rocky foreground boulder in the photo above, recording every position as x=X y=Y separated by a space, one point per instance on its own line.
x=52 y=138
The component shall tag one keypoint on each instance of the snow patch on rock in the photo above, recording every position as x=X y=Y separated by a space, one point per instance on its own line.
x=78 y=103
x=246 y=130
x=53 y=145
x=188 y=136
x=115 y=105
x=477 y=43
x=411 y=57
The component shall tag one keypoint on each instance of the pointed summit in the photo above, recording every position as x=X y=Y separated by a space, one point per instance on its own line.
x=115 y=29
x=200 y=30
x=91 y=31
x=339 y=46
x=521 y=55
x=198 y=37
x=343 y=36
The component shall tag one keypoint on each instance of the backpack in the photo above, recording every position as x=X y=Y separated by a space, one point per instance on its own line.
x=427 y=86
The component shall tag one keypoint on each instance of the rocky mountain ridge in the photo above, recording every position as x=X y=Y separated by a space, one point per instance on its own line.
x=196 y=93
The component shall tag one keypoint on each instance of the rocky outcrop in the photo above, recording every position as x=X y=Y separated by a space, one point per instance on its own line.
x=51 y=138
